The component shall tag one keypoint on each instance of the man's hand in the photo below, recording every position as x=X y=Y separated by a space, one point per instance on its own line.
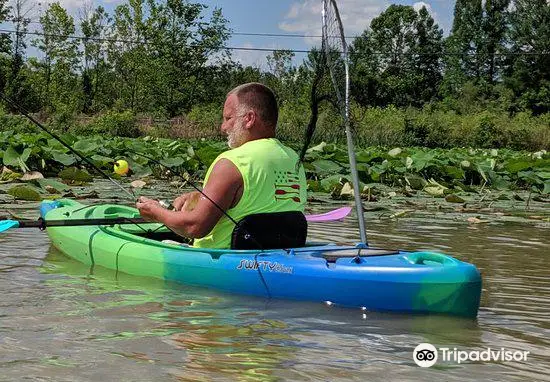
x=186 y=202
x=148 y=208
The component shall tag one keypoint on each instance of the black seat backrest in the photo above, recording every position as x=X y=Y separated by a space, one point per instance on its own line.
x=270 y=231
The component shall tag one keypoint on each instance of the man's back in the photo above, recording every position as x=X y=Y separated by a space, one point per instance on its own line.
x=270 y=184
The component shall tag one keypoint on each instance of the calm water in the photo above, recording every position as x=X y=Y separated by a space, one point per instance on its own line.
x=62 y=321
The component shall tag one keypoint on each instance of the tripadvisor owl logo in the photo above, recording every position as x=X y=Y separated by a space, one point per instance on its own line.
x=425 y=355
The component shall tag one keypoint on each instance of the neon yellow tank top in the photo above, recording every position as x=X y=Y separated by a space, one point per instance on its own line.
x=271 y=184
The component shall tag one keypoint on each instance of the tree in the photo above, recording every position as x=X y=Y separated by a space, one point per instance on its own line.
x=128 y=55
x=282 y=74
x=529 y=71
x=17 y=87
x=94 y=25
x=165 y=61
x=398 y=60
x=5 y=43
x=476 y=46
x=187 y=47
x=58 y=68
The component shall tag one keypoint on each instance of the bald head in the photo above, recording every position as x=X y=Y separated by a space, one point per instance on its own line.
x=259 y=98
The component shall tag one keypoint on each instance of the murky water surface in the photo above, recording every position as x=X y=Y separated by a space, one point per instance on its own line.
x=62 y=321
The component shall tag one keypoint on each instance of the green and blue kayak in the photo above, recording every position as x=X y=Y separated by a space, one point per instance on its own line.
x=346 y=275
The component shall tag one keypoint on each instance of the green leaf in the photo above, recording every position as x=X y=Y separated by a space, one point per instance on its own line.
x=543 y=174
x=85 y=146
x=24 y=193
x=141 y=171
x=63 y=158
x=75 y=174
x=529 y=177
x=328 y=183
x=395 y=152
x=366 y=156
x=514 y=166
x=172 y=162
x=58 y=186
x=420 y=160
x=546 y=189
x=102 y=159
x=26 y=153
x=326 y=166
x=415 y=182
x=454 y=172
x=14 y=158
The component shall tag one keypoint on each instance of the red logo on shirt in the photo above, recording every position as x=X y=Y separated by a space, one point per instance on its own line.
x=287 y=186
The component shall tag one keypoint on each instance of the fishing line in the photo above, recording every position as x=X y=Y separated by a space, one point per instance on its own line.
x=56 y=137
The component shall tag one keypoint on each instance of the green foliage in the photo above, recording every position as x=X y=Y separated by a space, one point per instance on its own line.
x=397 y=61
x=438 y=172
x=485 y=85
x=16 y=122
x=207 y=118
x=116 y=124
x=529 y=74
x=73 y=174
x=25 y=193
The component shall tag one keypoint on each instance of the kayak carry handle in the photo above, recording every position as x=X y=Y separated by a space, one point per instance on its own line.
x=430 y=258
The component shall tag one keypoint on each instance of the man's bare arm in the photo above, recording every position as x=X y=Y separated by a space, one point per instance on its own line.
x=224 y=187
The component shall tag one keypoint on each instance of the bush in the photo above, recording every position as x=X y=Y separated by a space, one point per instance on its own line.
x=63 y=119
x=18 y=123
x=207 y=118
x=116 y=124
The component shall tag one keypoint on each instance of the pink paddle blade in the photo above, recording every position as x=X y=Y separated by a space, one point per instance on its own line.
x=337 y=214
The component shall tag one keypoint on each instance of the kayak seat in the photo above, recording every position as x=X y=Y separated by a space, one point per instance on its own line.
x=270 y=231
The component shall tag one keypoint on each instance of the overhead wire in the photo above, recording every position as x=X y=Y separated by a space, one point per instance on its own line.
x=241 y=48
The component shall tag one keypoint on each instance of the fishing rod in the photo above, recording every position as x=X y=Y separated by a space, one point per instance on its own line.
x=192 y=184
x=57 y=138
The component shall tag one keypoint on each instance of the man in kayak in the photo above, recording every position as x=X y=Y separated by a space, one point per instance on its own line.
x=257 y=175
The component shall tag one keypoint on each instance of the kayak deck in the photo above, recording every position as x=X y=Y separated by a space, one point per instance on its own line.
x=418 y=282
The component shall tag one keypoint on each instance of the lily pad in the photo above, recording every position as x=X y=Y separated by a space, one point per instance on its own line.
x=14 y=158
x=395 y=152
x=138 y=184
x=32 y=175
x=24 y=193
x=63 y=158
x=74 y=174
x=172 y=162
x=326 y=166
x=452 y=198
x=415 y=182
x=347 y=190
x=48 y=184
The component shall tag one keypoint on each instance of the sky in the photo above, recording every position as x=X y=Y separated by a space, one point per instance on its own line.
x=302 y=17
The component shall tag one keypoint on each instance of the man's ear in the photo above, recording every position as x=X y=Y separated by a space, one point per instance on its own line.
x=250 y=118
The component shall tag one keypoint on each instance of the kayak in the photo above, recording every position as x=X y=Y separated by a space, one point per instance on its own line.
x=345 y=275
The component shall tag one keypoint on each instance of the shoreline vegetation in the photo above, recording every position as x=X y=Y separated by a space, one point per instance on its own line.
x=428 y=127
x=37 y=167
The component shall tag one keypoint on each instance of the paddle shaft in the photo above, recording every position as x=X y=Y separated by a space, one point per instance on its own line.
x=41 y=223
